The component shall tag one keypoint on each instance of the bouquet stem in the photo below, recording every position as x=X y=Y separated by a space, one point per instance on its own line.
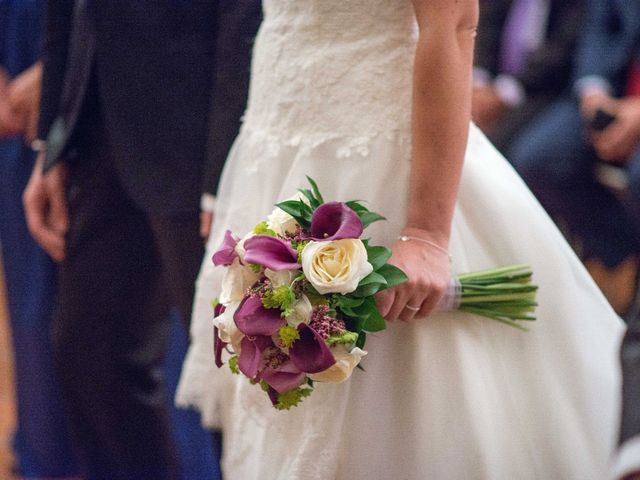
x=504 y=294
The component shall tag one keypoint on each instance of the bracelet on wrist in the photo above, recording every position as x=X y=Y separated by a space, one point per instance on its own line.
x=407 y=238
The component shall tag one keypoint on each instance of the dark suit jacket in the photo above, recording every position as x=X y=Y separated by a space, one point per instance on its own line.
x=610 y=41
x=144 y=70
x=548 y=69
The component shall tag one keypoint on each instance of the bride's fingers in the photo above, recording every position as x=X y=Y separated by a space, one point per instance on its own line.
x=399 y=304
x=384 y=300
x=411 y=309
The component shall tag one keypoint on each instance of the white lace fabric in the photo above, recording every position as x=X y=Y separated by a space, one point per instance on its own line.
x=370 y=43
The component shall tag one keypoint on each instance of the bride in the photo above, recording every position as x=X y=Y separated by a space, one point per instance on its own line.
x=372 y=98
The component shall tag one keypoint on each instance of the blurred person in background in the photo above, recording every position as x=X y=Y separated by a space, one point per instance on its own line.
x=627 y=460
x=598 y=121
x=42 y=445
x=522 y=62
x=115 y=197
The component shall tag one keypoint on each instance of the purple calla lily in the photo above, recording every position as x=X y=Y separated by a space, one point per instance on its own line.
x=310 y=353
x=253 y=319
x=218 y=347
x=250 y=356
x=226 y=253
x=271 y=252
x=335 y=221
x=273 y=395
x=284 y=378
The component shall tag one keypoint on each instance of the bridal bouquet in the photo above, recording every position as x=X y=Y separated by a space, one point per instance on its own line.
x=297 y=298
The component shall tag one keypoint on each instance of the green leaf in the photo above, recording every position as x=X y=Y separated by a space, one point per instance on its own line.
x=373 y=277
x=393 y=275
x=368 y=218
x=299 y=210
x=362 y=338
x=378 y=256
x=368 y=290
x=316 y=190
x=375 y=322
x=313 y=201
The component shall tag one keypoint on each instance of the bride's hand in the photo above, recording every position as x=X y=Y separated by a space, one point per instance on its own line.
x=429 y=270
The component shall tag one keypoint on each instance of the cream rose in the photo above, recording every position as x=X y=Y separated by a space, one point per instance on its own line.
x=282 y=277
x=240 y=245
x=301 y=312
x=342 y=369
x=235 y=282
x=227 y=329
x=281 y=222
x=336 y=266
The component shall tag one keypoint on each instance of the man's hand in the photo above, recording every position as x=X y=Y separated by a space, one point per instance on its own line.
x=24 y=98
x=486 y=107
x=206 y=222
x=621 y=138
x=590 y=103
x=11 y=124
x=46 y=208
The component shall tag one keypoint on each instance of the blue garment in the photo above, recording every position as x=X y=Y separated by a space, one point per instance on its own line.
x=41 y=442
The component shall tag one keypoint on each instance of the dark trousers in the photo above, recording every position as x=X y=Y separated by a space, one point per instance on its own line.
x=631 y=381
x=123 y=270
x=556 y=161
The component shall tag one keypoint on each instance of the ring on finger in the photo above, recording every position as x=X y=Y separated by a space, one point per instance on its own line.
x=412 y=308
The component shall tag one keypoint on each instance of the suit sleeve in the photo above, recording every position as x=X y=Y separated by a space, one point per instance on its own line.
x=239 y=21
x=549 y=68
x=493 y=15
x=58 y=16
x=610 y=38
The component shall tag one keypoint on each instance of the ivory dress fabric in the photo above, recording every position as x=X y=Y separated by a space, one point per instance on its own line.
x=452 y=396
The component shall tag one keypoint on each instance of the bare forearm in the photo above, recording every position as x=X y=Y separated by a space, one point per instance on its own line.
x=441 y=115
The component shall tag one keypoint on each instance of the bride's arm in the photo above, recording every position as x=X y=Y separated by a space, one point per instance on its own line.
x=440 y=117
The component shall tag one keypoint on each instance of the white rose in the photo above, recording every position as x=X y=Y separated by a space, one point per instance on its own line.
x=342 y=369
x=336 y=266
x=281 y=222
x=282 y=277
x=240 y=245
x=301 y=312
x=227 y=330
x=235 y=282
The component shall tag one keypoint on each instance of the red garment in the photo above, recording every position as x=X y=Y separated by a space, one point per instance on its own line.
x=633 y=81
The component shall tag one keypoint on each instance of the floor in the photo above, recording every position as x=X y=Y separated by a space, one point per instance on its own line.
x=7 y=403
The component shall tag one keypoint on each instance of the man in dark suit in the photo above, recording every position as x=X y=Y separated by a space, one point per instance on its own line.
x=557 y=155
x=523 y=61
x=126 y=111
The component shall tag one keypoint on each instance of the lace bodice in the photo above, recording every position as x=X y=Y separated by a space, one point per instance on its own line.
x=332 y=70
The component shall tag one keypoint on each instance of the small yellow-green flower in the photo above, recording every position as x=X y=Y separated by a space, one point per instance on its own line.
x=288 y=335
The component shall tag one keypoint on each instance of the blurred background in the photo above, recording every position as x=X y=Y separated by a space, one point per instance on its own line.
x=557 y=90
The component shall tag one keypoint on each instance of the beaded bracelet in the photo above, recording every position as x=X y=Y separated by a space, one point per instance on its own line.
x=406 y=238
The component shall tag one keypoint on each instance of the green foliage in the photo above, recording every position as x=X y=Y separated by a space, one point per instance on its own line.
x=263 y=229
x=367 y=217
x=233 y=365
x=255 y=268
x=292 y=398
x=345 y=338
x=299 y=210
x=282 y=297
x=288 y=335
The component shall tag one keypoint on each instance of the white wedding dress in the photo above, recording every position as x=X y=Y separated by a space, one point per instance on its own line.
x=453 y=396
